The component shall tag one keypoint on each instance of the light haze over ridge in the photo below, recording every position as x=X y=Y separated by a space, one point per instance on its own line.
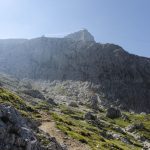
x=123 y=22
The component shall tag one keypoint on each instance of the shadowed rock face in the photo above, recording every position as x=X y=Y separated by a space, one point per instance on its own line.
x=14 y=133
x=123 y=78
x=17 y=135
x=113 y=113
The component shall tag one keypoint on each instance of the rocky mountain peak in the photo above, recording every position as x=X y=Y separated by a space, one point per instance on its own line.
x=122 y=76
x=81 y=35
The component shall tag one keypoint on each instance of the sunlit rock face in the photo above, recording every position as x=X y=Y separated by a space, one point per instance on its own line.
x=82 y=35
x=123 y=78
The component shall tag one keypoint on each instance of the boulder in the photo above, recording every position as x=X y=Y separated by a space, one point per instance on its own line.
x=54 y=145
x=73 y=104
x=133 y=127
x=119 y=129
x=1 y=84
x=94 y=102
x=107 y=135
x=81 y=103
x=125 y=117
x=90 y=116
x=51 y=101
x=113 y=113
x=34 y=94
x=25 y=83
x=125 y=140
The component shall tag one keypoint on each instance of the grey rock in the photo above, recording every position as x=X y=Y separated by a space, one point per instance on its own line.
x=94 y=102
x=125 y=140
x=146 y=145
x=14 y=131
x=119 y=129
x=143 y=113
x=34 y=93
x=15 y=134
x=125 y=117
x=113 y=113
x=107 y=135
x=133 y=127
x=54 y=146
x=90 y=116
x=51 y=101
x=25 y=83
x=73 y=104
x=81 y=103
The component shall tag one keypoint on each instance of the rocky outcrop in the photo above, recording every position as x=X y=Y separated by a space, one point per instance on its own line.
x=94 y=102
x=134 y=127
x=73 y=104
x=113 y=113
x=51 y=102
x=25 y=84
x=34 y=94
x=90 y=116
x=15 y=134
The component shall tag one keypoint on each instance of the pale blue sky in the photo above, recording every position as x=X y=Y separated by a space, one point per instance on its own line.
x=123 y=22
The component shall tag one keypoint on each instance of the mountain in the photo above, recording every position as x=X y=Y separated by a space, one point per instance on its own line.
x=62 y=93
x=123 y=79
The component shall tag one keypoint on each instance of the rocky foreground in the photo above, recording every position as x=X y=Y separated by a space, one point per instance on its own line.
x=18 y=132
x=62 y=115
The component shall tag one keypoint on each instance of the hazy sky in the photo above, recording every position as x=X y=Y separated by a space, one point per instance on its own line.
x=123 y=22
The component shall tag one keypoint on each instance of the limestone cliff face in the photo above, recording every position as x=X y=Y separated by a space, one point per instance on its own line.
x=123 y=77
x=82 y=35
